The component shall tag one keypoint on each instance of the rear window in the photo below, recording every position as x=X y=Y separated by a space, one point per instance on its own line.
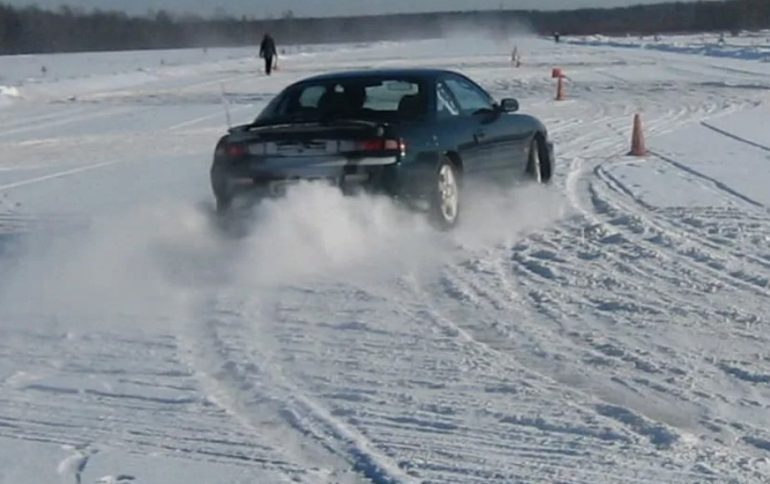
x=380 y=98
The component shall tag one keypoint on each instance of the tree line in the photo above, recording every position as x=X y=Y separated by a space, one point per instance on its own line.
x=35 y=30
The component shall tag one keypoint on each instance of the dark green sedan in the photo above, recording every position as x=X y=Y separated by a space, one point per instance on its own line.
x=414 y=134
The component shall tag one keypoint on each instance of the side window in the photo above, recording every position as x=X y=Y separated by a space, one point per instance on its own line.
x=296 y=101
x=388 y=95
x=310 y=96
x=446 y=106
x=470 y=97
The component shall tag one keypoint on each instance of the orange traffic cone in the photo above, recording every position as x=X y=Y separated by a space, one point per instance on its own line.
x=638 y=147
x=560 y=95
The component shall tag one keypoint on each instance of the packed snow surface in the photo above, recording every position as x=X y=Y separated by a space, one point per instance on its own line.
x=610 y=327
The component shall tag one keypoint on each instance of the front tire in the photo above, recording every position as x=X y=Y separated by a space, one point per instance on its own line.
x=445 y=203
x=538 y=167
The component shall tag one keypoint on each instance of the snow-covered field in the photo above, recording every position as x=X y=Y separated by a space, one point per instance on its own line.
x=741 y=45
x=612 y=327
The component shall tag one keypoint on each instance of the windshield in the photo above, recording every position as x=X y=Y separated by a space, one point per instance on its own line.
x=355 y=98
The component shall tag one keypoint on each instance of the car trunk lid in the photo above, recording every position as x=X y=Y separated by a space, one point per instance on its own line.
x=316 y=139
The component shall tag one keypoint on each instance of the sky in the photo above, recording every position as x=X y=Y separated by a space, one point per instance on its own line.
x=304 y=8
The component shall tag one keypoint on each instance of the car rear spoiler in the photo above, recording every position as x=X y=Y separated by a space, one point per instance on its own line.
x=307 y=125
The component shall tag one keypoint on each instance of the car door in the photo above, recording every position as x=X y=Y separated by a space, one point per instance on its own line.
x=488 y=153
x=456 y=129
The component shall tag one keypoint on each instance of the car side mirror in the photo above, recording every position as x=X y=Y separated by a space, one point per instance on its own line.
x=509 y=105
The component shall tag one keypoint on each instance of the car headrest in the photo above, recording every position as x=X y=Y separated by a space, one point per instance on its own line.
x=411 y=106
x=333 y=102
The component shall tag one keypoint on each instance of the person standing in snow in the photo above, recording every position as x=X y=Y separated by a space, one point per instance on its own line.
x=268 y=52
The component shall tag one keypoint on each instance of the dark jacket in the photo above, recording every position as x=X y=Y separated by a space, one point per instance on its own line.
x=267 y=48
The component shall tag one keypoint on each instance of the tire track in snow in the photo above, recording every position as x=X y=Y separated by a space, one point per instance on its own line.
x=89 y=115
x=702 y=260
x=728 y=266
x=714 y=247
x=582 y=172
x=734 y=136
x=716 y=183
x=498 y=348
x=275 y=401
x=496 y=363
x=23 y=120
x=377 y=425
x=533 y=282
x=148 y=406
x=582 y=176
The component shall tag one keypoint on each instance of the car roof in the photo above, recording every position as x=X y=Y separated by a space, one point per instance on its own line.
x=422 y=73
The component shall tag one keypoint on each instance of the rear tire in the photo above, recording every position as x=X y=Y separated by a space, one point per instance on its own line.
x=445 y=198
x=219 y=186
x=224 y=204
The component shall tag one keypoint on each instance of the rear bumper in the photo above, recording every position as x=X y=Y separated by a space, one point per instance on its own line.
x=272 y=177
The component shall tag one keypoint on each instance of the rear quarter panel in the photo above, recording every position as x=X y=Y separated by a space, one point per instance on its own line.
x=418 y=166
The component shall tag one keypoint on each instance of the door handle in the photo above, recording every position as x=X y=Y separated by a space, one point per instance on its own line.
x=479 y=135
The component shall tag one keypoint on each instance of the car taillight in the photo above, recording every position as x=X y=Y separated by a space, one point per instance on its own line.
x=235 y=150
x=372 y=145
x=381 y=144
